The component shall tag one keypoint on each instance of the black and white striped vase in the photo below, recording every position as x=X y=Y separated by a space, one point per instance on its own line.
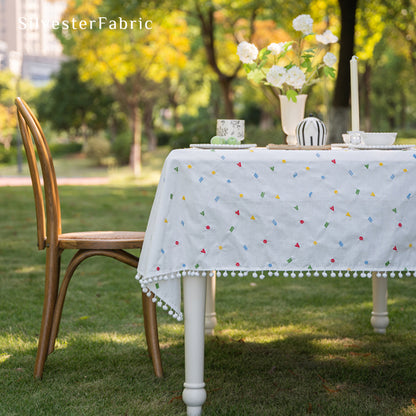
x=311 y=132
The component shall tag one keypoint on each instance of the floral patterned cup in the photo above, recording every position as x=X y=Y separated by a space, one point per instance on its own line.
x=231 y=128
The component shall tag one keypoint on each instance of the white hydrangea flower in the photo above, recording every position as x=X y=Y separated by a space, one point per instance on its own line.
x=295 y=77
x=327 y=37
x=303 y=23
x=330 y=59
x=247 y=52
x=277 y=48
x=276 y=76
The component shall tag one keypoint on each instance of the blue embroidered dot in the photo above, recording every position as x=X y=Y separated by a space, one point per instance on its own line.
x=223 y=157
x=245 y=247
x=228 y=181
x=217 y=198
x=370 y=219
x=183 y=265
x=270 y=265
x=408 y=196
x=366 y=262
x=295 y=174
x=201 y=179
x=392 y=176
x=310 y=194
x=274 y=222
x=414 y=155
x=341 y=244
x=183 y=223
x=255 y=175
x=322 y=177
x=162 y=251
x=318 y=155
x=351 y=172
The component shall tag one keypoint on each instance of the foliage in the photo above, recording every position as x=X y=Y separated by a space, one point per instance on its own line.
x=9 y=88
x=120 y=147
x=133 y=62
x=97 y=149
x=72 y=104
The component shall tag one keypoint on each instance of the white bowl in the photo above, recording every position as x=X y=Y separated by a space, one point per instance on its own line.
x=378 y=139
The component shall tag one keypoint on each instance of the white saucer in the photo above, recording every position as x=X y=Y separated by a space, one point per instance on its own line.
x=222 y=146
x=382 y=147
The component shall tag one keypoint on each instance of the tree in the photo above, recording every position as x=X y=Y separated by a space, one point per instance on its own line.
x=128 y=58
x=339 y=114
x=74 y=105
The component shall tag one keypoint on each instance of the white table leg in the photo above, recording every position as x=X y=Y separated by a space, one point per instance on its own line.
x=194 y=394
x=210 y=315
x=379 y=316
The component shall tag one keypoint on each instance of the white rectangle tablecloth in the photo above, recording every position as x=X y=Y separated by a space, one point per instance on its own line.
x=272 y=211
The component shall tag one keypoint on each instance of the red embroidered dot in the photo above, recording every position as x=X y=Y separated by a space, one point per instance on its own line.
x=237 y=264
x=361 y=238
x=332 y=260
x=177 y=243
x=399 y=224
x=157 y=268
x=265 y=241
x=208 y=227
x=302 y=222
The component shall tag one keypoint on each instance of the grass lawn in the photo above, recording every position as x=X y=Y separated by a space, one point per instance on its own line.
x=283 y=346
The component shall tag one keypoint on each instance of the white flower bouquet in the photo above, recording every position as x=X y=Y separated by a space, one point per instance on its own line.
x=301 y=67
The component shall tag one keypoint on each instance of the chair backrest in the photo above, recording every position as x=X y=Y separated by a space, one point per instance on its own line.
x=47 y=202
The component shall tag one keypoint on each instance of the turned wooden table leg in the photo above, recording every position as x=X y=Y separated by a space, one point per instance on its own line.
x=194 y=394
x=379 y=315
x=210 y=315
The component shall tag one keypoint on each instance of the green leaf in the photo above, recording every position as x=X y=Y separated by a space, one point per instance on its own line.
x=291 y=95
x=329 y=71
x=249 y=67
x=257 y=76
x=263 y=53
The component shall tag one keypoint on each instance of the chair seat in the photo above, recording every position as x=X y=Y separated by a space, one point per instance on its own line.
x=101 y=240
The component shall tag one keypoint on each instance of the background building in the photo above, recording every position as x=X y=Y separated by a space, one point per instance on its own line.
x=26 y=38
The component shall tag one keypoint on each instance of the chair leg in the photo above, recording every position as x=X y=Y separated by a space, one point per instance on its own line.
x=52 y=270
x=152 y=338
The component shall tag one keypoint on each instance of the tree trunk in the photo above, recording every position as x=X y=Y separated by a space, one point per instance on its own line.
x=207 y=22
x=136 y=149
x=366 y=94
x=227 y=93
x=149 y=127
x=339 y=113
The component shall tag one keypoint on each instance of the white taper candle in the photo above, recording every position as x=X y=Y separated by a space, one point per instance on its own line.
x=355 y=107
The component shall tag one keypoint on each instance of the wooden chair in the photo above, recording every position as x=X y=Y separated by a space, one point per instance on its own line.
x=96 y=243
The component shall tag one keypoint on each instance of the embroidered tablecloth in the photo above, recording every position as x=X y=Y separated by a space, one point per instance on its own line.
x=347 y=212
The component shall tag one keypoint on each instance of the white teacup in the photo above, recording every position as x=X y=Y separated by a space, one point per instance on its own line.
x=355 y=137
x=231 y=128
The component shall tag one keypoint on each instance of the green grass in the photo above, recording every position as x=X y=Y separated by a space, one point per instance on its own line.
x=283 y=346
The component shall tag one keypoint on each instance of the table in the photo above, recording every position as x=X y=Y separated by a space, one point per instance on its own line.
x=347 y=213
